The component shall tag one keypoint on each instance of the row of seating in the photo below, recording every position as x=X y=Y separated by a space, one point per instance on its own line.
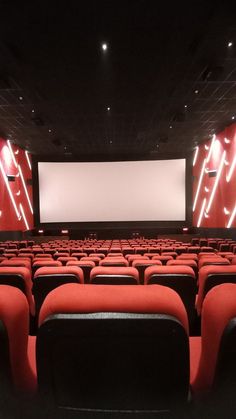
x=119 y=348
x=195 y=241
x=181 y=278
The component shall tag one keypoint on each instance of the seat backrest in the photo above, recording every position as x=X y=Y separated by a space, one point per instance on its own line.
x=142 y=264
x=48 y=278
x=163 y=258
x=180 y=278
x=127 y=350
x=116 y=261
x=19 y=277
x=85 y=265
x=15 y=370
x=216 y=374
x=94 y=259
x=212 y=261
x=186 y=262
x=211 y=275
x=17 y=262
x=41 y=263
x=66 y=259
x=114 y=275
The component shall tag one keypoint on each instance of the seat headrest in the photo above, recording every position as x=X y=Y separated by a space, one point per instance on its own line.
x=74 y=298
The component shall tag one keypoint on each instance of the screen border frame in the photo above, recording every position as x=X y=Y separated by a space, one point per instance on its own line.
x=101 y=225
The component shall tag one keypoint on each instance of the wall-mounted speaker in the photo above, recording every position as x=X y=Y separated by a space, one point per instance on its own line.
x=11 y=178
x=212 y=173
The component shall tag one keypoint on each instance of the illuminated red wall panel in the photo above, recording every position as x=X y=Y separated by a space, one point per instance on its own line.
x=214 y=185
x=15 y=191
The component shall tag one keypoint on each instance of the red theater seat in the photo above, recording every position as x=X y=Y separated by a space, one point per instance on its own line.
x=113 y=349
x=114 y=275
x=18 y=368
x=204 y=261
x=114 y=255
x=142 y=264
x=163 y=258
x=79 y=255
x=132 y=257
x=186 y=256
x=210 y=276
x=48 y=278
x=19 y=277
x=180 y=278
x=94 y=259
x=66 y=259
x=213 y=356
x=116 y=261
x=186 y=262
x=85 y=265
x=60 y=254
x=17 y=262
x=47 y=262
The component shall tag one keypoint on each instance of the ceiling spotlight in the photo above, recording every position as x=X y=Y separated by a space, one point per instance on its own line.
x=32 y=111
x=230 y=44
x=20 y=97
x=104 y=47
x=233 y=117
x=196 y=91
x=185 y=106
x=108 y=108
x=49 y=130
x=171 y=127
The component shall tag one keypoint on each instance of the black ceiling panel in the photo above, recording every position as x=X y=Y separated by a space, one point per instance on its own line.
x=168 y=75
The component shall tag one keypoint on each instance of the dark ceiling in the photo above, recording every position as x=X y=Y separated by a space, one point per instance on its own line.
x=168 y=75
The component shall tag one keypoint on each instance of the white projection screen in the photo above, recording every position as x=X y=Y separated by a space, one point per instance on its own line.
x=112 y=191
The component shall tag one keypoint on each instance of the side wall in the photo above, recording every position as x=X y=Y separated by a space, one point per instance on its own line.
x=15 y=190
x=214 y=181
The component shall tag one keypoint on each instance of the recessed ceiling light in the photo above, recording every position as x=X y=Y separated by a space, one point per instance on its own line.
x=108 y=108
x=171 y=126
x=185 y=106
x=230 y=44
x=32 y=111
x=104 y=47
x=110 y=142
x=49 y=130
x=20 y=97
x=196 y=91
x=233 y=117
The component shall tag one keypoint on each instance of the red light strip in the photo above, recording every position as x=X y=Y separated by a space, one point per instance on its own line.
x=11 y=152
x=195 y=156
x=199 y=185
x=232 y=218
x=211 y=148
x=24 y=217
x=28 y=159
x=229 y=175
x=201 y=213
x=216 y=182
